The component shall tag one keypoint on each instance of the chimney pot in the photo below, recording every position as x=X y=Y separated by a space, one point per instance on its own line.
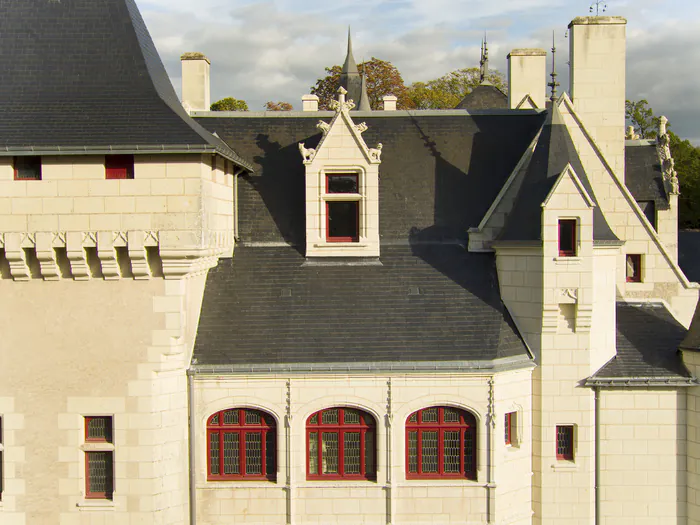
x=195 y=82
x=389 y=102
x=309 y=103
x=527 y=71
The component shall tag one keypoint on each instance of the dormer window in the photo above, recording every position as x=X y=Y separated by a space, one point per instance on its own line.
x=342 y=207
x=567 y=237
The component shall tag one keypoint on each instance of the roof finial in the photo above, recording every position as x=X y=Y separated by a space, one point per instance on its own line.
x=553 y=84
x=484 y=62
x=350 y=67
x=349 y=41
x=600 y=7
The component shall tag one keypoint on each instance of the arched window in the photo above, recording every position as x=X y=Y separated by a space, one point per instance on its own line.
x=241 y=444
x=441 y=443
x=341 y=444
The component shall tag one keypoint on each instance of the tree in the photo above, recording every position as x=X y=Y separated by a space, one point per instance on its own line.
x=448 y=90
x=278 y=106
x=641 y=117
x=687 y=164
x=229 y=104
x=382 y=78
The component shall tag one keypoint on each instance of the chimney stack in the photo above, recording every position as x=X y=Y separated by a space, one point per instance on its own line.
x=195 y=82
x=597 y=82
x=527 y=72
x=309 y=103
x=389 y=102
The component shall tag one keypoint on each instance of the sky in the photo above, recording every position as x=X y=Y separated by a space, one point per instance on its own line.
x=277 y=49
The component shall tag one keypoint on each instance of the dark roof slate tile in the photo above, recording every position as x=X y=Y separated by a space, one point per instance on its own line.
x=643 y=176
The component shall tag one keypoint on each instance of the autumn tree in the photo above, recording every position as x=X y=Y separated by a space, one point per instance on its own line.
x=229 y=104
x=448 y=90
x=277 y=106
x=382 y=78
x=641 y=117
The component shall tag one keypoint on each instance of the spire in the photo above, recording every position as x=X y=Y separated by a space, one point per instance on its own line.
x=553 y=84
x=363 y=104
x=484 y=62
x=349 y=67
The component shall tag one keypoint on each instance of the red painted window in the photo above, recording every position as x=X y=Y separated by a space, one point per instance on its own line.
x=119 y=166
x=342 y=216
x=341 y=444
x=567 y=237
x=633 y=268
x=27 y=168
x=441 y=443
x=241 y=444
x=509 y=423
x=565 y=442
x=99 y=464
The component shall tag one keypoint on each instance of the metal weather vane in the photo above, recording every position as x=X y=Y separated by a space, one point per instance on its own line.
x=553 y=84
x=600 y=7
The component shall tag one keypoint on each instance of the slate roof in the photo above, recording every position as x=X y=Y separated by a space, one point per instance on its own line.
x=689 y=254
x=484 y=96
x=648 y=337
x=438 y=176
x=554 y=150
x=643 y=176
x=425 y=305
x=83 y=75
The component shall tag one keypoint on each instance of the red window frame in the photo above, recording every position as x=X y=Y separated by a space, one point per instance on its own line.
x=635 y=260
x=119 y=167
x=567 y=226
x=103 y=459
x=352 y=238
x=420 y=423
x=366 y=427
x=509 y=420
x=265 y=427
x=565 y=442
x=22 y=163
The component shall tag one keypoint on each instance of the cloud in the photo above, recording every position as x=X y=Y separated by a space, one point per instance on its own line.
x=275 y=50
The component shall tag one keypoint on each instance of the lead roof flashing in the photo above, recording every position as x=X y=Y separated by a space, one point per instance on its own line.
x=492 y=366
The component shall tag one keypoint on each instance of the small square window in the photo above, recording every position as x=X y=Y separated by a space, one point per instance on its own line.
x=98 y=429
x=342 y=183
x=633 y=268
x=119 y=167
x=567 y=237
x=565 y=442
x=27 y=168
x=510 y=424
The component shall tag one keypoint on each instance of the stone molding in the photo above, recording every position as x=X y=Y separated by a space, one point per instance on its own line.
x=108 y=255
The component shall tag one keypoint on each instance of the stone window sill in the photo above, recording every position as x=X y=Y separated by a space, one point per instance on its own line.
x=567 y=260
x=565 y=466
x=96 y=505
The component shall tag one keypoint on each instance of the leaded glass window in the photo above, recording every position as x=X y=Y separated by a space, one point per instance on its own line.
x=242 y=444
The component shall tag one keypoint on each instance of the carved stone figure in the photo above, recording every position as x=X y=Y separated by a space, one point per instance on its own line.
x=307 y=154
x=376 y=153
x=323 y=126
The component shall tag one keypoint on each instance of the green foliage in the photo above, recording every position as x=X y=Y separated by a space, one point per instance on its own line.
x=687 y=164
x=641 y=117
x=382 y=78
x=448 y=90
x=229 y=104
x=277 y=106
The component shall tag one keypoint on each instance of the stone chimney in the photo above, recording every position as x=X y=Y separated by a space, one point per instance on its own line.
x=389 y=102
x=527 y=75
x=195 y=82
x=597 y=82
x=309 y=103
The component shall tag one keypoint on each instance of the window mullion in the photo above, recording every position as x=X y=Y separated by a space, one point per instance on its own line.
x=263 y=452
x=241 y=445
x=341 y=451
x=419 y=451
x=363 y=437
x=441 y=449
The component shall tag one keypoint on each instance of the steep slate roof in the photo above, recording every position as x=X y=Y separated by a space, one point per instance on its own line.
x=424 y=304
x=648 y=337
x=484 y=96
x=689 y=254
x=429 y=303
x=439 y=172
x=84 y=75
x=643 y=175
x=554 y=150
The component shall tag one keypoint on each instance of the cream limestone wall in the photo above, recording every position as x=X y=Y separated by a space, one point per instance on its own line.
x=667 y=226
x=342 y=150
x=176 y=212
x=643 y=456
x=502 y=490
x=597 y=82
x=100 y=348
x=661 y=276
x=604 y=315
x=692 y=361
x=527 y=76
